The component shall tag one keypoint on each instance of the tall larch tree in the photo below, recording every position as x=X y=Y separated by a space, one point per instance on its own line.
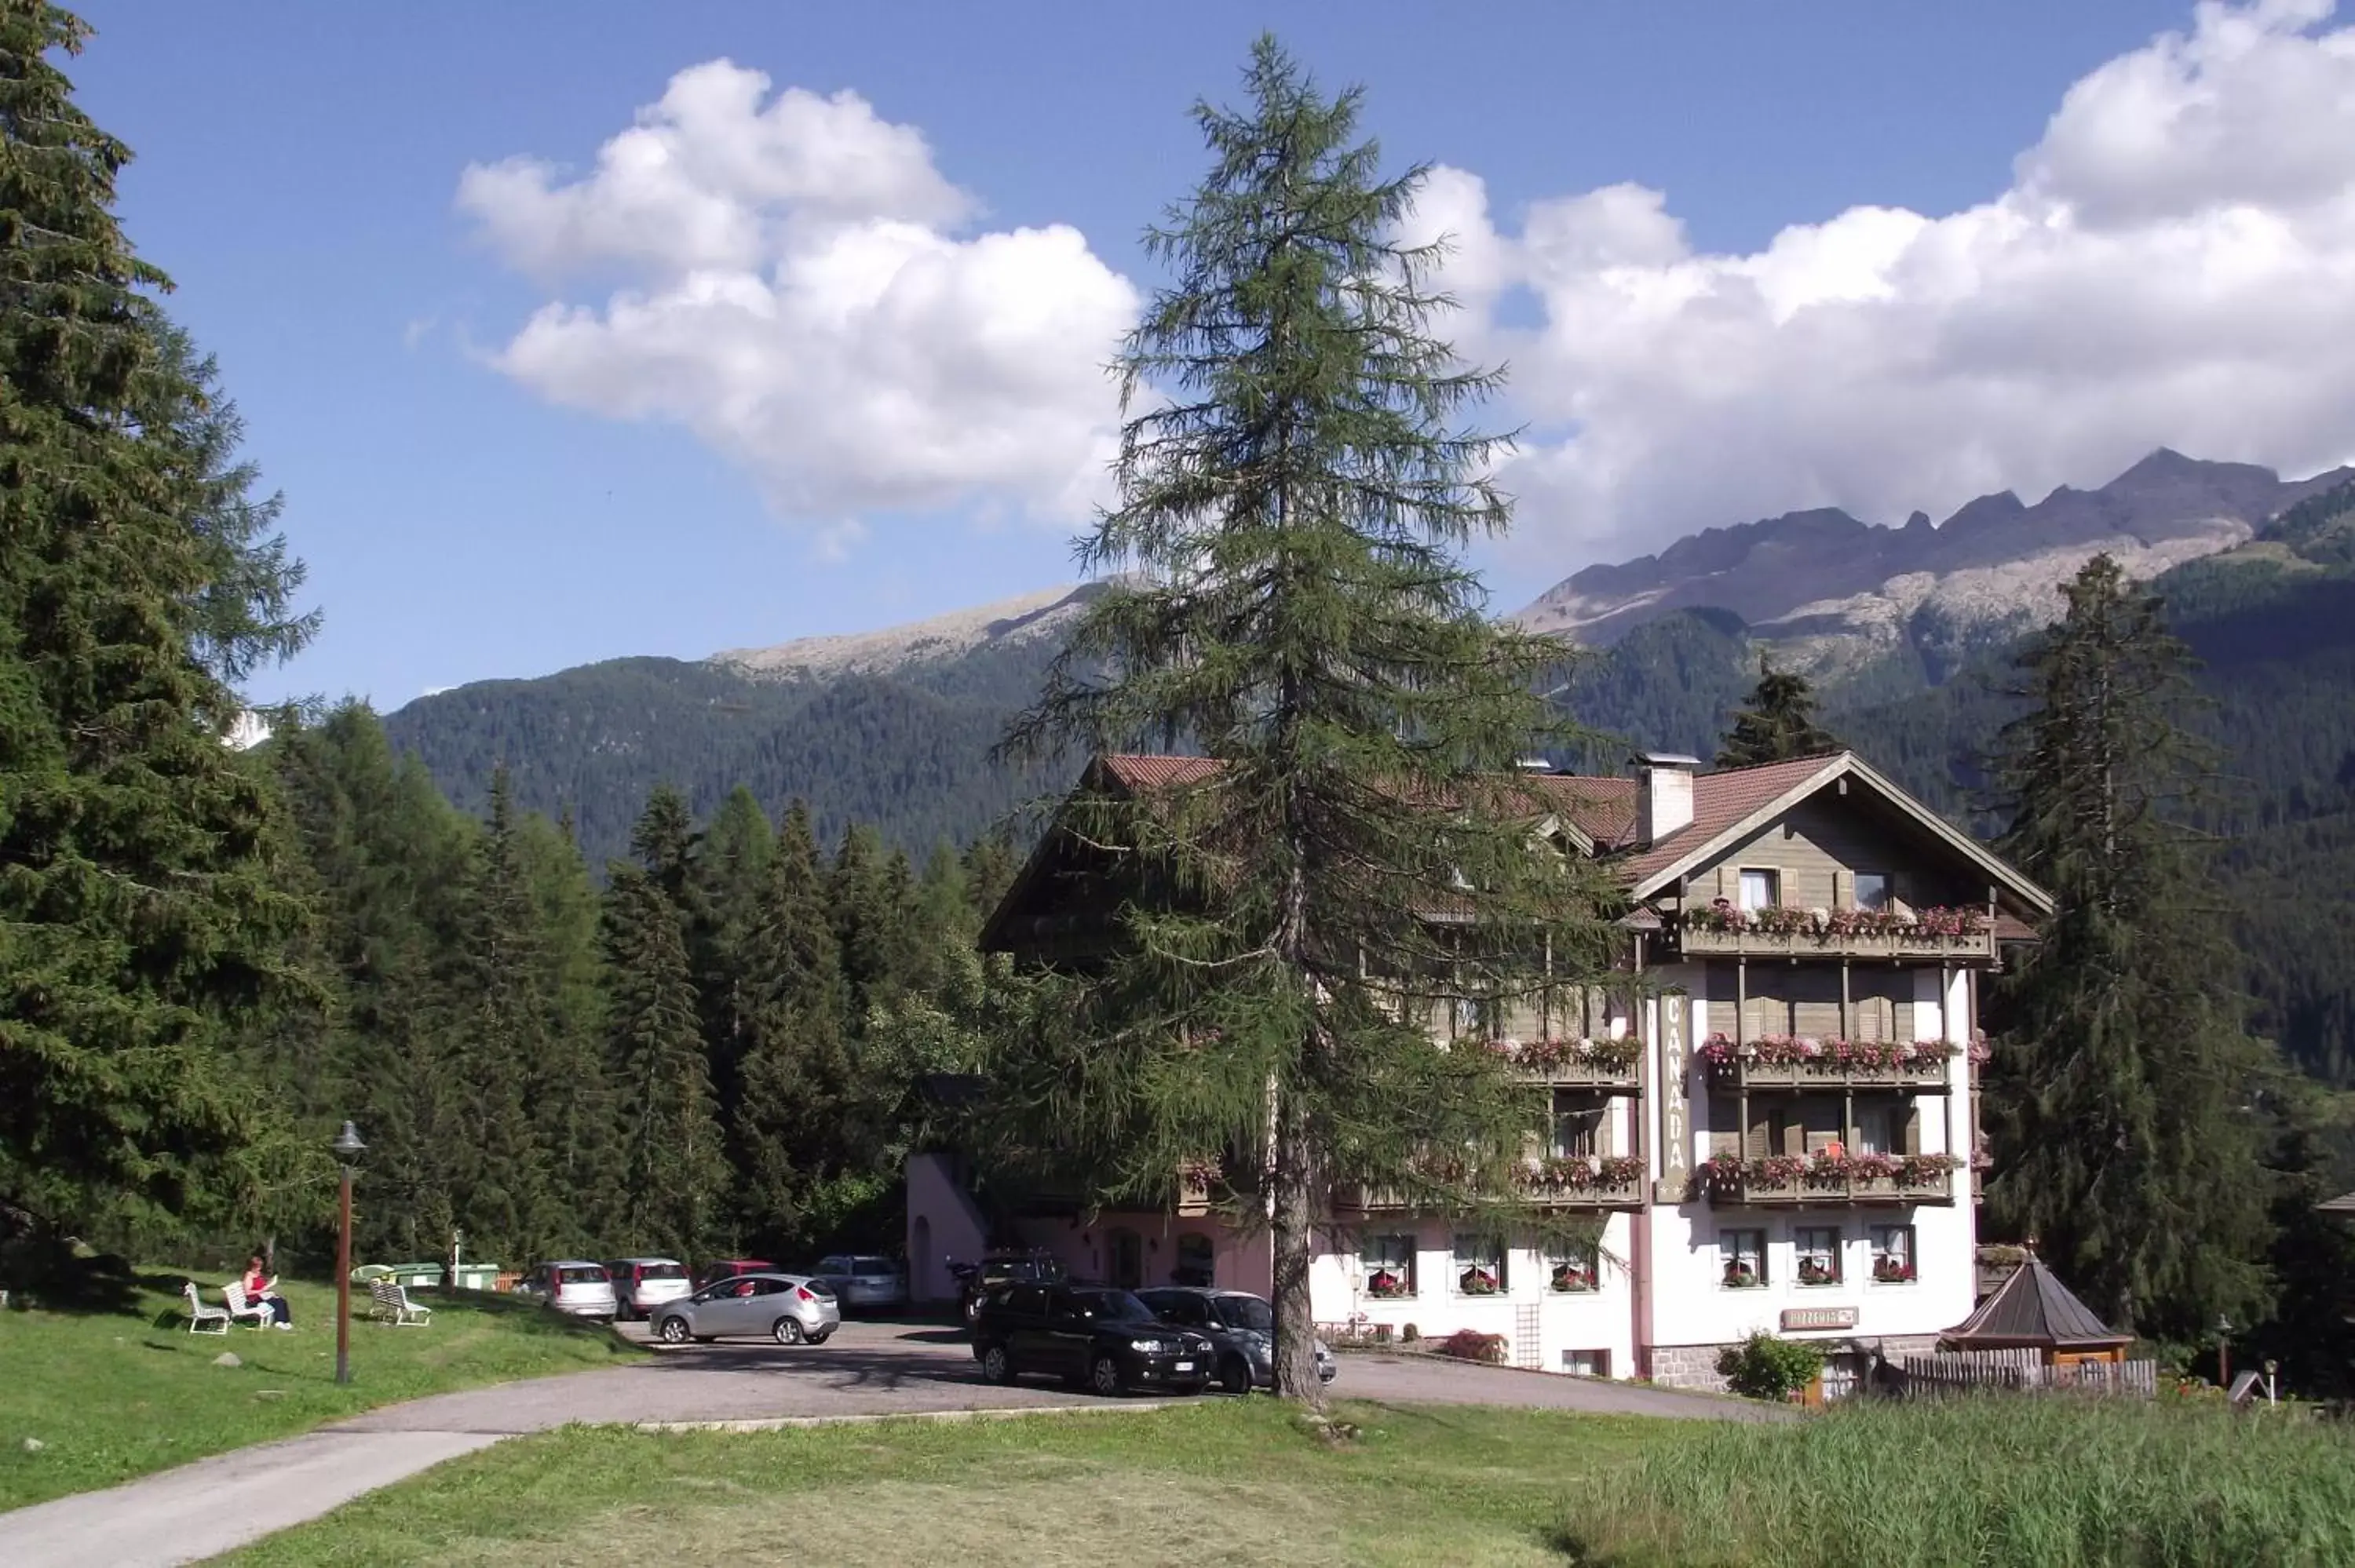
x=2121 y=1086
x=565 y=1089
x=139 y=908
x=1778 y=724
x=1287 y=596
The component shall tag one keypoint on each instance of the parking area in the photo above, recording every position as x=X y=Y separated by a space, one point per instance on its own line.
x=871 y=1369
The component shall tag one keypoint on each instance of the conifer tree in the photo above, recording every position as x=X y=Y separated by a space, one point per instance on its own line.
x=672 y=1166
x=664 y=842
x=140 y=910
x=2123 y=1077
x=1778 y=724
x=1288 y=599
x=500 y=1194
x=796 y=1070
x=565 y=1089
x=732 y=868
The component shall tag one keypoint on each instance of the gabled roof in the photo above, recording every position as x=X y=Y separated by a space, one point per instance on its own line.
x=2342 y=1205
x=1732 y=804
x=2033 y=1308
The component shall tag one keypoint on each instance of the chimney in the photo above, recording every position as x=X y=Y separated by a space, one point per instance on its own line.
x=1664 y=793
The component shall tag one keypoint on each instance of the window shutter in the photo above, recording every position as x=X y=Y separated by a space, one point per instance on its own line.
x=1843 y=888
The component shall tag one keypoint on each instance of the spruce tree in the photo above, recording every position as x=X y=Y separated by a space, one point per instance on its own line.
x=1287 y=596
x=499 y=1165
x=571 y=1102
x=672 y=1168
x=1778 y=724
x=2122 y=1078
x=391 y=860
x=139 y=911
x=732 y=869
x=788 y=1129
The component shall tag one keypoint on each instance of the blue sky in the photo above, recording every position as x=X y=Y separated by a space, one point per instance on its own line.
x=475 y=500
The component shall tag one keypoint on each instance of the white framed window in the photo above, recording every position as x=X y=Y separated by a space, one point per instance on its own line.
x=1742 y=1258
x=1761 y=889
x=1893 y=1255
x=1479 y=1266
x=1872 y=889
x=1389 y=1265
x=1819 y=1249
x=1574 y=1270
x=1881 y=1126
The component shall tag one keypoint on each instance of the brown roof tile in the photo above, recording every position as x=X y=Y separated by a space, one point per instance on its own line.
x=1720 y=799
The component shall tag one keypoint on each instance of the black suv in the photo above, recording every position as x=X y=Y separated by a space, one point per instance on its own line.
x=999 y=1268
x=1091 y=1334
x=1241 y=1327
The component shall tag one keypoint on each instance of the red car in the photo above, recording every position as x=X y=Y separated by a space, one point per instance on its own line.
x=730 y=1268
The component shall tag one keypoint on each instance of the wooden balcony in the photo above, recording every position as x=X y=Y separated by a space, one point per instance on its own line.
x=1885 y=947
x=1827 y=1074
x=1796 y=1182
x=1605 y=1075
x=1576 y=1182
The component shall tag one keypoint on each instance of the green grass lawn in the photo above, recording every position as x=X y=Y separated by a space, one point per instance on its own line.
x=1224 y=1481
x=1214 y=1481
x=110 y=1395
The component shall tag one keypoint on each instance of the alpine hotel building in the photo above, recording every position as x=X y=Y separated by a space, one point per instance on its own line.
x=1781 y=1134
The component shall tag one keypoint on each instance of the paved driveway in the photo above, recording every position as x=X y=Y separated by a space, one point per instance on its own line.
x=891 y=1369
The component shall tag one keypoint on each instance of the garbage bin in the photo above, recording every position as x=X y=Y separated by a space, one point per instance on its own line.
x=477 y=1275
x=417 y=1276
x=369 y=1273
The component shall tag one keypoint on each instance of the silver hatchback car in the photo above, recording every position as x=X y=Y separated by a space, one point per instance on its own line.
x=791 y=1309
x=864 y=1281
x=571 y=1284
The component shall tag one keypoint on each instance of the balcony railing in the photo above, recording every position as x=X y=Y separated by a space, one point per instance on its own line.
x=1606 y=1064
x=1791 y=1063
x=1586 y=1181
x=1564 y=1182
x=1778 y=933
x=1797 y=1179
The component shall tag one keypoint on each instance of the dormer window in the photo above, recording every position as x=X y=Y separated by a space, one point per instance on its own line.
x=1872 y=890
x=1761 y=889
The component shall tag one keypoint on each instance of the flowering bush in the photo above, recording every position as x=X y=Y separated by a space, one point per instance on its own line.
x=1477 y=1281
x=1722 y=1170
x=1939 y=923
x=1581 y=1173
x=1572 y=1275
x=1544 y=1055
x=1890 y=1269
x=1389 y=1284
x=1815 y=1271
x=1926 y=1170
x=1471 y=1345
x=1199 y=1173
x=1805 y=1050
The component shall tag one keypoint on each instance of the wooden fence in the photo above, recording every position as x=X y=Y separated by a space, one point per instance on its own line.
x=1961 y=1371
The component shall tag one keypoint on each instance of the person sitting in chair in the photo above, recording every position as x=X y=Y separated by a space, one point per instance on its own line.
x=261 y=1289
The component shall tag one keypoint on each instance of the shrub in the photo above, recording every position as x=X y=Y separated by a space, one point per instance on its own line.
x=1764 y=1367
x=1471 y=1345
x=1410 y=1334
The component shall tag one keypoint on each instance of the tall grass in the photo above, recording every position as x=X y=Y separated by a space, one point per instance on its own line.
x=1996 y=1479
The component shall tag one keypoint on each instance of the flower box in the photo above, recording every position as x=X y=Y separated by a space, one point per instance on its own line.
x=1805 y=1062
x=1897 y=932
x=1585 y=1060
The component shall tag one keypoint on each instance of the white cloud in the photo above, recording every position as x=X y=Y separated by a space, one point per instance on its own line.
x=795 y=290
x=2173 y=263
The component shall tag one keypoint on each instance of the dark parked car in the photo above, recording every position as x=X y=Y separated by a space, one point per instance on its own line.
x=1241 y=1327
x=1089 y=1334
x=730 y=1268
x=999 y=1268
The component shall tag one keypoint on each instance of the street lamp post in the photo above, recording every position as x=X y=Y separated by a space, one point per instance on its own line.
x=2224 y=1351
x=348 y=1148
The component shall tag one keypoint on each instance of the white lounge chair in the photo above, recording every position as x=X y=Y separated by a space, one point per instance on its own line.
x=203 y=1319
x=240 y=1309
x=393 y=1306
